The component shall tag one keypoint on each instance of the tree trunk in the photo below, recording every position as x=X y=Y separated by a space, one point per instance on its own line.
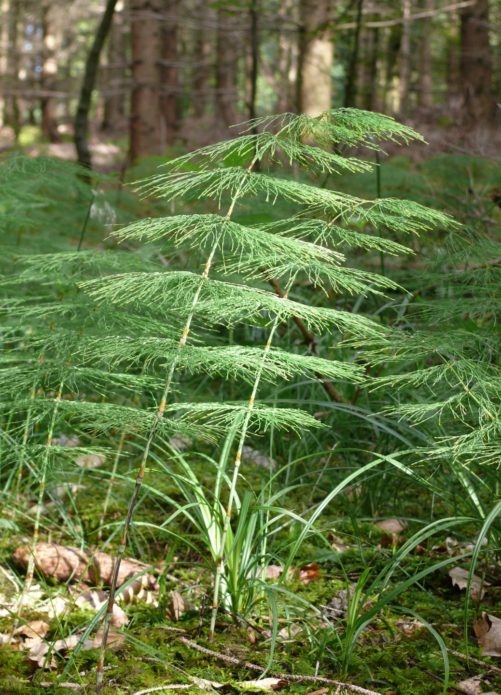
x=170 y=83
x=114 y=101
x=12 y=115
x=200 y=76
x=476 y=65
x=368 y=73
x=391 y=53
x=254 y=57
x=405 y=60
x=287 y=59
x=316 y=54
x=146 y=114
x=226 y=67
x=425 y=64
x=51 y=44
x=88 y=84
x=350 y=96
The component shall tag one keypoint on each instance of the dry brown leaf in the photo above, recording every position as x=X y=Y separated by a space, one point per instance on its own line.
x=459 y=577
x=53 y=560
x=33 y=629
x=55 y=606
x=115 y=639
x=70 y=441
x=176 y=608
x=257 y=458
x=119 y=617
x=94 y=600
x=309 y=573
x=338 y=605
x=473 y=686
x=65 y=563
x=321 y=691
x=251 y=635
x=409 y=627
x=38 y=653
x=290 y=631
x=67 y=489
x=337 y=544
x=488 y=632
x=392 y=527
x=90 y=460
x=273 y=571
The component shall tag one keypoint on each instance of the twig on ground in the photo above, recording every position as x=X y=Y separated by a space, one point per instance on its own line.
x=476 y=661
x=283 y=676
x=167 y=686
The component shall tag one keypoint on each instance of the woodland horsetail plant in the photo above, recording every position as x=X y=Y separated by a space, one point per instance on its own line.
x=163 y=322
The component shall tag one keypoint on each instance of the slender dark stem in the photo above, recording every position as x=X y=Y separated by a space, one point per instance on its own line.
x=88 y=84
x=378 y=195
x=311 y=342
x=86 y=222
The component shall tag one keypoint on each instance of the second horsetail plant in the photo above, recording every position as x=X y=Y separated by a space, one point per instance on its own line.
x=137 y=333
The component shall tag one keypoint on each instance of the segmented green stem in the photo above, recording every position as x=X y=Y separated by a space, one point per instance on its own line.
x=112 y=481
x=30 y=571
x=236 y=467
x=146 y=452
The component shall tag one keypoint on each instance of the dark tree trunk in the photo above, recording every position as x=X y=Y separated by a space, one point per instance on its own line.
x=405 y=60
x=425 y=65
x=114 y=99
x=49 y=71
x=368 y=74
x=12 y=115
x=146 y=115
x=201 y=61
x=170 y=82
x=88 y=84
x=226 y=68
x=350 y=96
x=254 y=63
x=476 y=65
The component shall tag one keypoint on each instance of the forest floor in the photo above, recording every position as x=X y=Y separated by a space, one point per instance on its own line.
x=401 y=651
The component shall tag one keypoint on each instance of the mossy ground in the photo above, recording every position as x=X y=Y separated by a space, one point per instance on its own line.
x=391 y=654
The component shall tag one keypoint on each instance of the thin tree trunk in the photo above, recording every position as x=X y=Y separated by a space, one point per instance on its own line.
x=170 y=81
x=201 y=60
x=226 y=68
x=12 y=115
x=88 y=84
x=367 y=74
x=405 y=59
x=114 y=102
x=316 y=54
x=49 y=69
x=146 y=114
x=350 y=96
x=254 y=64
x=287 y=60
x=392 y=49
x=476 y=65
x=425 y=67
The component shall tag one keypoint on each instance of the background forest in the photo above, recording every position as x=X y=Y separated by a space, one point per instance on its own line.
x=250 y=413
